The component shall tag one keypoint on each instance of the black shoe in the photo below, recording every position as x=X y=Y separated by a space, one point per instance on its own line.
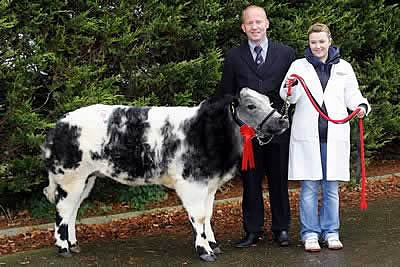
x=282 y=238
x=249 y=240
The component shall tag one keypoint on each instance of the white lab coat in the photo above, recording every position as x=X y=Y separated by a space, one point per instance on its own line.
x=341 y=92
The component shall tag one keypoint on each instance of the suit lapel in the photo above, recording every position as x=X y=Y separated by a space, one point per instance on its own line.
x=248 y=57
x=270 y=58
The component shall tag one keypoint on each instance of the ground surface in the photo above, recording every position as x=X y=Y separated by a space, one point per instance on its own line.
x=370 y=238
x=227 y=217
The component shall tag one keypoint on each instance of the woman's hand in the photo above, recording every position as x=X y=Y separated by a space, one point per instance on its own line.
x=362 y=112
x=295 y=82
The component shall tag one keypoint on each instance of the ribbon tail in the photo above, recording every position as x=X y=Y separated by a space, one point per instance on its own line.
x=248 y=156
x=245 y=155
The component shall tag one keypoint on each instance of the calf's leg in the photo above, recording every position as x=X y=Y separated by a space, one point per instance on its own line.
x=67 y=198
x=194 y=199
x=208 y=228
x=74 y=247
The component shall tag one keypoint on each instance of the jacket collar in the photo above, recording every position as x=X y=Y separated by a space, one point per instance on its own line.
x=333 y=57
x=247 y=57
x=264 y=46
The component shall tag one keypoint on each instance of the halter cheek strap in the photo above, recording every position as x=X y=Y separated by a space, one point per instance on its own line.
x=258 y=133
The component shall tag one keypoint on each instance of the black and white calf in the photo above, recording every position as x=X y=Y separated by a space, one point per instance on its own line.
x=193 y=150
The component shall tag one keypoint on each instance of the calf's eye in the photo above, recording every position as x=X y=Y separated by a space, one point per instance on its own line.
x=251 y=107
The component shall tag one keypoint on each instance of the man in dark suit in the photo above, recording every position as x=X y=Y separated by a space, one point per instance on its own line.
x=261 y=64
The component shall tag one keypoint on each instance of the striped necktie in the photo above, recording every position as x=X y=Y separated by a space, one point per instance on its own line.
x=259 y=58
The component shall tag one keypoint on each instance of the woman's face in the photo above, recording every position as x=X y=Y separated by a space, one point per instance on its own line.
x=319 y=43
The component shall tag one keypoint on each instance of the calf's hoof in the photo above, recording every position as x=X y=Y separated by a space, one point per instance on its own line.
x=217 y=250
x=63 y=252
x=205 y=255
x=215 y=247
x=208 y=257
x=75 y=248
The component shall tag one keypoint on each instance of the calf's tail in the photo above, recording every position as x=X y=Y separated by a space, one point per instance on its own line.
x=50 y=191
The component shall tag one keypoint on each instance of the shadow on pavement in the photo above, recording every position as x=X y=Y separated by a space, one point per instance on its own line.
x=370 y=238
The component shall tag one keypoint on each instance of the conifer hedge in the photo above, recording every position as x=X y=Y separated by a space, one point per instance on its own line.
x=59 y=55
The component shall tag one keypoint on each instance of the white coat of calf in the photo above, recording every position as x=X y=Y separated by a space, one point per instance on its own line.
x=193 y=150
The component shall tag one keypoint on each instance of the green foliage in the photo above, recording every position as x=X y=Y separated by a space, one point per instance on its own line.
x=139 y=196
x=56 y=56
x=41 y=208
x=166 y=81
x=85 y=208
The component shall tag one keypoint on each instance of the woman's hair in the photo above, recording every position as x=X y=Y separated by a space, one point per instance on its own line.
x=319 y=27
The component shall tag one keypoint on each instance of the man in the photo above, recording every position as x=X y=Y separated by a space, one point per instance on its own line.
x=261 y=64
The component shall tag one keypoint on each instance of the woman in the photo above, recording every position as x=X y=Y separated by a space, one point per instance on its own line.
x=319 y=152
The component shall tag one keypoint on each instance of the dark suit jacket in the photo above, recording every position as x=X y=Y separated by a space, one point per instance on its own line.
x=240 y=71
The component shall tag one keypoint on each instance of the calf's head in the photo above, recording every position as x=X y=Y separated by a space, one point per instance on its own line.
x=255 y=110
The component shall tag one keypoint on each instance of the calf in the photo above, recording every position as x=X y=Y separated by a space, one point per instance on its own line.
x=193 y=150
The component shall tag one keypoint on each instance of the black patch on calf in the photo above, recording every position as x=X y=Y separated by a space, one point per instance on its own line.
x=95 y=155
x=203 y=235
x=60 y=194
x=62 y=141
x=87 y=179
x=63 y=231
x=62 y=251
x=193 y=229
x=170 y=145
x=210 y=139
x=58 y=219
x=213 y=245
x=200 y=250
x=127 y=148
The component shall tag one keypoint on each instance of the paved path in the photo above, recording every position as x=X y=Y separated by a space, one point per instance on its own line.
x=370 y=238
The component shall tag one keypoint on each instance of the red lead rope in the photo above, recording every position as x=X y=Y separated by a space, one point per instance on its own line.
x=363 y=204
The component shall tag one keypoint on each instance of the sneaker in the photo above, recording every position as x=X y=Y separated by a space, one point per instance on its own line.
x=311 y=245
x=334 y=243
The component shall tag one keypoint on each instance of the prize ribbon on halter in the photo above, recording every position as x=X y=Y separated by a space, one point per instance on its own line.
x=363 y=203
x=248 y=156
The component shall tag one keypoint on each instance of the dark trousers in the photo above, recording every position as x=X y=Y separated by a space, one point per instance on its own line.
x=270 y=160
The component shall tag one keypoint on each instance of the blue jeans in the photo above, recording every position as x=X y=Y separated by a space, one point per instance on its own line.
x=327 y=224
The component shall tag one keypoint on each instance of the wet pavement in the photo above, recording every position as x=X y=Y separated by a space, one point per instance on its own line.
x=370 y=238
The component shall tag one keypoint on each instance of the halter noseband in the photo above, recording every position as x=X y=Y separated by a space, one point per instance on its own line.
x=258 y=133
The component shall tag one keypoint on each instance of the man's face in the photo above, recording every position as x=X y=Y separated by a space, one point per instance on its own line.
x=255 y=24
